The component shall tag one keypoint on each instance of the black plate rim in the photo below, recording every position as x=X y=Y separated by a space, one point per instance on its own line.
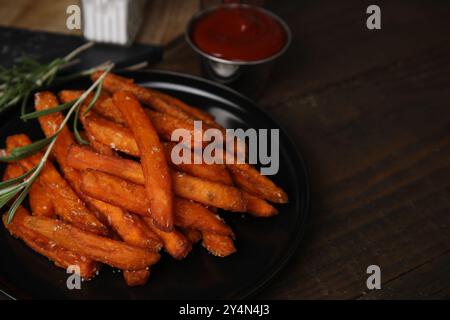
x=304 y=207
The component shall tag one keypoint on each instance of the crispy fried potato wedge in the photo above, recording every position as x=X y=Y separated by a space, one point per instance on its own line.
x=218 y=245
x=61 y=257
x=136 y=278
x=153 y=160
x=68 y=206
x=114 y=253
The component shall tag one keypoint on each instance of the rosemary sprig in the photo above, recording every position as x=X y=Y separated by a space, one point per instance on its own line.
x=10 y=188
x=18 y=82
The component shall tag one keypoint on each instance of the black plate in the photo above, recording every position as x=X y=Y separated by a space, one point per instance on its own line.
x=264 y=245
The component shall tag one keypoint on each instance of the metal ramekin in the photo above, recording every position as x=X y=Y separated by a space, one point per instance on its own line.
x=228 y=71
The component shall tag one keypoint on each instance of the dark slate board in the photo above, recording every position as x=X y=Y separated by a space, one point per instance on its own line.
x=45 y=46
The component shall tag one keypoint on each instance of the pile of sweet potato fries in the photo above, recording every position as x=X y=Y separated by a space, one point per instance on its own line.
x=120 y=199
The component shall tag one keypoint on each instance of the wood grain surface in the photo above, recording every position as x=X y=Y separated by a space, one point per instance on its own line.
x=370 y=112
x=164 y=20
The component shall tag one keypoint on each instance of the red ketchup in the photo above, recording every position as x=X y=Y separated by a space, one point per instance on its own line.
x=239 y=33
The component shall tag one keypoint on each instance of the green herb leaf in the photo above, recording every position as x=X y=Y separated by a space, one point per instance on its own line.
x=94 y=99
x=28 y=150
x=37 y=114
x=18 y=202
x=14 y=181
x=5 y=198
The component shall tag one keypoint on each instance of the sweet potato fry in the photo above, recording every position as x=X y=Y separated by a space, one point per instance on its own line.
x=61 y=257
x=50 y=124
x=191 y=215
x=164 y=123
x=203 y=191
x=82 y=158
x=13 y=170
x=154 y=99
x=209 y=193
x=212 y=172
x=114 y=253
x=129 y=227
x=111 y=134
x=250 y=180
x=247 y=177
x=67 y=204
x=218 y=245
x=259 y=207
x=40 y=202
x=136 y=278
x=132 y=197
x=175 y=243
x=193 y=235
x=158 y=183
x=96 y=145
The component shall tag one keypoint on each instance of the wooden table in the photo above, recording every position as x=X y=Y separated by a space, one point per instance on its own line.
x=370 y=112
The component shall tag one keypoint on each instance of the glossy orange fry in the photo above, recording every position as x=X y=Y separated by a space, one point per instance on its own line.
x=259 y=207
x=40 y=202
x=67 y=204
x=50 y=124
x=12 y=171
x=61 y=257
x=244 y=175
x=209 y=193
x=129 y=227
x=83 y=158
x=175 y=243
x=132 y=197
x=114 y=253
x=97 y=145
x=218 y=245
x=212 y=172
x=155 y=99
x=111 y=134
x=136 y=278
x=203 y=191
x=193 y=235
x=164 y=123
x=252 y=181
x=158 y=183
x=38 y=197
x=191 y=215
